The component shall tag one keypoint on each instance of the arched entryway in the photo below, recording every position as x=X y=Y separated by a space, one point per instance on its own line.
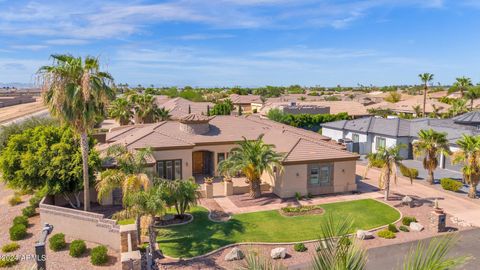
x=202 y=163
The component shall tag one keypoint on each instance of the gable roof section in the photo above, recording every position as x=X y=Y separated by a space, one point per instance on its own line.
x=306 y=150
x=394 y=127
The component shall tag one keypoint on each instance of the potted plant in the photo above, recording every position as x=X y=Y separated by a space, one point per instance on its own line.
x=208 y=180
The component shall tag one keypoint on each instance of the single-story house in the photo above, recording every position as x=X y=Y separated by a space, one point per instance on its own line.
x=366 y=135
x=244 y=102
x=353 y=108
x=193 y=145
x=179 y=107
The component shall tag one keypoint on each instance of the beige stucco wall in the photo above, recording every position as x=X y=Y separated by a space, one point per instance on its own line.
x=344 y=176
x=184 y=154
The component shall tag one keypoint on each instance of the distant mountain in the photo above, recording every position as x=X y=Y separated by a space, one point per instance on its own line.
x=16 y=85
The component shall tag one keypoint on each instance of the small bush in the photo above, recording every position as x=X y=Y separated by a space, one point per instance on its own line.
x=407 y=220
x=14 y=200
x=29 y=211
x=8 y=261
x=300 y=247
x=386 y=234
x=77 y=248
x=10 y=247
x=450 y=184
x=20 y=220
x=392 y=228
x=409 y=172
x=35 y=201
x=57 y=242
x=98 y=255
x=18 y=232
x=345 y=241
x=298 y=196
x=404 y=228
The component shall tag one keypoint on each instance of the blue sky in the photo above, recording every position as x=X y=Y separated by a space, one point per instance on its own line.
x=247 y=42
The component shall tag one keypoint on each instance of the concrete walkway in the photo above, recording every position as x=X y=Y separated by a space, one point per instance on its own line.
x=463 y=208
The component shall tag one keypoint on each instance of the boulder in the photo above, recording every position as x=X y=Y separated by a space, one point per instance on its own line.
x=278 y=253
x=407 y=201
x=234 y=255
x=416 y=227
x=361 y=234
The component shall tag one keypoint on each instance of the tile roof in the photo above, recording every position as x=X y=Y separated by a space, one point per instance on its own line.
x=471 y=118
x=244 y=99
x=354 y=108
x=394 y=127
x=178 y=107
x=230 y=129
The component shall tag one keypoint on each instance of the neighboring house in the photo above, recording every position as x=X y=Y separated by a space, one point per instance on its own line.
x=179 y=107
x=294 y=107
x=195 y=144
x=353 y=108
x=366 y=135
x=406 y=106
x=244 y=102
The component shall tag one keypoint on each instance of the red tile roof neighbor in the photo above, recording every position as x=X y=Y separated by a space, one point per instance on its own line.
x=298 y=145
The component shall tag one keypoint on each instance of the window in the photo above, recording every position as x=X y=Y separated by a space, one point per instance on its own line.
x=380 y=143
x=169 y=169
x=320 y=174
x=220 y=157
x=355 y=138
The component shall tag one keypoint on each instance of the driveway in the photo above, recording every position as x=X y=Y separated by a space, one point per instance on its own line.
x=438 y=174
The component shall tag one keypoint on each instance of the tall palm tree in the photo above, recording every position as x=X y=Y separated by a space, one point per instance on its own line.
x=469 y=155
x=473 y=92
x=121 y=110
x=425 y=78
x=389 y=159
x=461 y=85
x=253 y=158
x=77 y=92
x=146 y=108
x=145 y=203
x=431 y=144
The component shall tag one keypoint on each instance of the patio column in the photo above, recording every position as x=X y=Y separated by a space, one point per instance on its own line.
x=228 y=185
x=442 y=161
x=208 y=190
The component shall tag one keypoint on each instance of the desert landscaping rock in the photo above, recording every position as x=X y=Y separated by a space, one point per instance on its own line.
x=361 y=234
x=278 y=253
x=407 y=200
x=234 y=255
x=416 y=227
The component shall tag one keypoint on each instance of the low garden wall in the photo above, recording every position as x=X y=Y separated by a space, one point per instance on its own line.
x=245 y=189
x=88 y=226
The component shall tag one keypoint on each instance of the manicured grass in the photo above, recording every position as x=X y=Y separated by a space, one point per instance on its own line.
x=126 y=221
x=203 y=235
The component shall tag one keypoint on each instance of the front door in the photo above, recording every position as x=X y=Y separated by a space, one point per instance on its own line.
x=197 y=163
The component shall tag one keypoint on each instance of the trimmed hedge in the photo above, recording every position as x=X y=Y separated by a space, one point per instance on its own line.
x=18 y=232
x=450 y=184
x=57 y=242
x=404 y=228
x=10 y=247
x=392 y=228
x=98 y=255
x=8 y=261
x=407 y=220
x=29 y=211
x=77 y=248
x=20 y=220
x=300 y=247
x=386 y=234
x=409 y=172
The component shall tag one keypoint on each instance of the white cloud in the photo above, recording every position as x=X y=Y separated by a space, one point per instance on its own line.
x=66 y=41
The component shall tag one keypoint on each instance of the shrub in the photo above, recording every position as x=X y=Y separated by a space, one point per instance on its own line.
x=14 y=200
x=8 y=261
x=20 y=220
x=300 y=247
x=298 y=196
x=404 y=228
x=392 y=228
x=386 y=234
x=450 y=184
x=407 y=220
x=57 y=242
x=35 y=201
x=77 y=248
x=409 y=172
x=10 y=247
x=18 y=232
x=99 y=255
x=29 y=211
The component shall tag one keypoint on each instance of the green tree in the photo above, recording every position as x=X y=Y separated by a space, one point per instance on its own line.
x=473 y=92
x=179 y=194
x=458 y=106
x=425 y=78
x=6 y=131
x=163 y=114
x=77 y=92
x=122 y=111
x=393 y=97
x=47 y=157
x=417 y=110
x=253 y=158
x=430 y=144
x=469 y=156
x=224 y=107
x=461 y=84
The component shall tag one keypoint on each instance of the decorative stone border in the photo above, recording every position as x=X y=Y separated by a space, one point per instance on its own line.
x=278 y=243
x=306 y=213
x=177 y=224
x=217 y=221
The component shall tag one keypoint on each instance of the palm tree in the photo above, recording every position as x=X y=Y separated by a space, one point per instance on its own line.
x=461 y=85
x=425 y=78
x=162 y=114
x=472 y=93
x=469 y=155
x=389 y=159
x=147 y=110
x=459 y=106
x=145 y=203
x=77 y=92
x=253 y=158
x=431 y=144
x=436 y=111
x=417 y=110
x=121 y=110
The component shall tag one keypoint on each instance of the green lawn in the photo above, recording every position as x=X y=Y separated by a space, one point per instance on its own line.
x=203 y=235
